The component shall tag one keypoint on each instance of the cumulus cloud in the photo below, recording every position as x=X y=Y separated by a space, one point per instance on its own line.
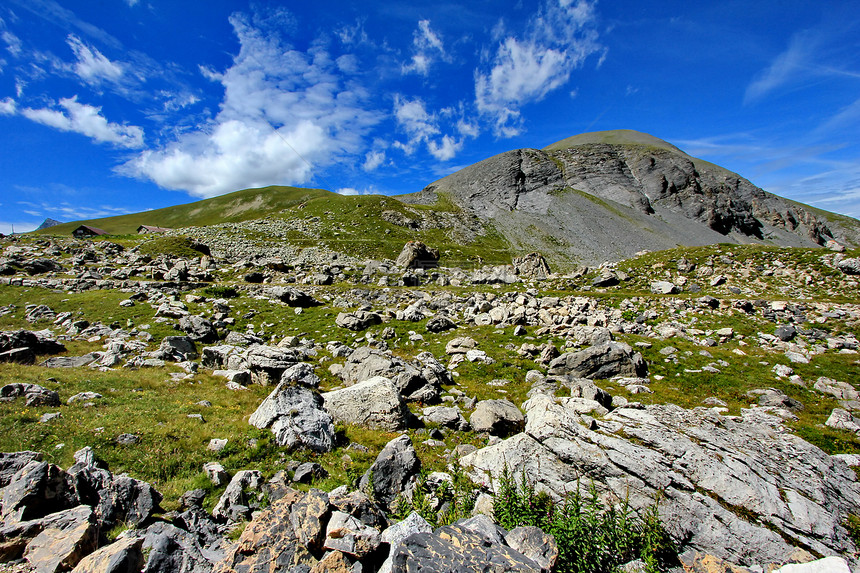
x=423 y=127
x=87 y=120
x=348 y=191
x=285 y=113
x=427 y=46
x=8 y=106
x=372 y=160
x=558 y=40
x=92 y=66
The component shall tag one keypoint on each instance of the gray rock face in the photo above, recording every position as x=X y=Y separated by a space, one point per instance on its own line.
x=297 y=418
x=702 y=462
x=174 y=550
x=599 y=362
x=395 y=468
x=374 y=403
x=659 y=196
x=60 y=546
x=497 y=417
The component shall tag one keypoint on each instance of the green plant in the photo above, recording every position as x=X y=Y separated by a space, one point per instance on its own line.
x=441 y=504
x=220 y=291
x=592 y=537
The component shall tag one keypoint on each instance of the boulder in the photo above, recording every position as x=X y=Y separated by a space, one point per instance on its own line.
x=374 y=403
x=413 y=382
x=395 y=535
x=270 y=543
x=297 y=418
x=234 y=504
x=849 y=266
x=446 y=417
x=41 y=342
x=309 y=472
x=198 y=328
x=532 y=266
x=177 y=349
x=497 y=417
x=664 y=287
x=600 y=362
x=538 y=546
x=440 y=323
x=348 y=535
x=122 y=556
x=11 y=463
x=456 y=548
x=62 y=544
x=292 y=297
x=394 y=470
x=357 y=320
x=417 y=255
x=37 y=489
x=170 y=549
x=33 y=394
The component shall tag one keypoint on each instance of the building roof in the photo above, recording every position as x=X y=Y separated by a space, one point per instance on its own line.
x=153 y=229
x=93 y=230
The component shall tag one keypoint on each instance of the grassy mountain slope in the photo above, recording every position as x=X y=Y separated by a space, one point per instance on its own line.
x=233 y=207
x=367 y=226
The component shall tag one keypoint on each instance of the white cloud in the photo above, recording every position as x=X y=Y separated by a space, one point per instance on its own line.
x=87 y=120
x=784 y=68
x=92 y=66
x=348 y=191
x=372 y=160
x=13 y=43
x=523 y=70
x=8 y=106
x=426 y=46
x=285 y=113
x=446 y=149
x=423 y=127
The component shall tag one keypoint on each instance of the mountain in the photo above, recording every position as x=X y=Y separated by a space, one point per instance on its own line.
x=583 y=200
x=607 y=195
x=48 y=223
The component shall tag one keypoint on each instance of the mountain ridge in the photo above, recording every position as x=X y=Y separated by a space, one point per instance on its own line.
x=594 y=197
x=577 y=194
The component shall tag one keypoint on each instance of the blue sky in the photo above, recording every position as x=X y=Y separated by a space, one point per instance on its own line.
x=123 y=105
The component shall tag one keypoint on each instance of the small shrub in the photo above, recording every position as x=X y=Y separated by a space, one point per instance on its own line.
x=219 y=291
x=591 y=537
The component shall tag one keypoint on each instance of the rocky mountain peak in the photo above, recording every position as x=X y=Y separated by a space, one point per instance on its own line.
x=573 y=199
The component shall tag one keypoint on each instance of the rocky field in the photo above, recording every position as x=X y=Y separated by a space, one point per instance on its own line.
x=188 y=405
